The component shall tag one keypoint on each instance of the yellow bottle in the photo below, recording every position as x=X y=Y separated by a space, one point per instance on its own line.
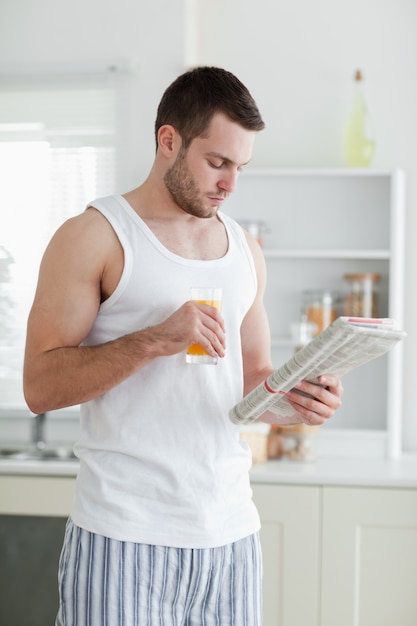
x=359 y=141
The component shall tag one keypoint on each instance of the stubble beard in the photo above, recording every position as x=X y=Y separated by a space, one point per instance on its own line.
x=184 y=190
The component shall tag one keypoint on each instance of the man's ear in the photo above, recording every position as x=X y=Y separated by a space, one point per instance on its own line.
x=169 y=141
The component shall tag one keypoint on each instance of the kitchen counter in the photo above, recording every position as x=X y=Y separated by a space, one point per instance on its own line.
x=343 y=472
x=16 y=467
x=400 y=473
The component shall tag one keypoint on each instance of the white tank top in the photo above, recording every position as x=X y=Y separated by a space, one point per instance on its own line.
x=160 y=461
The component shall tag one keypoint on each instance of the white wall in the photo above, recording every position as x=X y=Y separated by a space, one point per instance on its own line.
x=43 y=32
x=297 y=57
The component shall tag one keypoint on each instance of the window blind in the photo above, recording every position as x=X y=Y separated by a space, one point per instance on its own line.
x=57 y=152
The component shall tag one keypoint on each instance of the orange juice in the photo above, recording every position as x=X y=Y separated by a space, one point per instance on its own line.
x=195 y=348
x=203 y=295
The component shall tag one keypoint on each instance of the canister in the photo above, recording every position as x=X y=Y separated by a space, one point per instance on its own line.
x=320 y=307
x=302 y=332
x=361 y=298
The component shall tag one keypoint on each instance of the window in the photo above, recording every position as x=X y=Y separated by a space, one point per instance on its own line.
x=57 y=152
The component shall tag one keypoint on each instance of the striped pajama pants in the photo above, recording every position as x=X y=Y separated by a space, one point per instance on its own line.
x=104 y=582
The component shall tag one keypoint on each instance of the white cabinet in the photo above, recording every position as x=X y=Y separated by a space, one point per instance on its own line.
x=323 y=224
x=36 y=495
x=290 y=538
x=369 y=559
x=338 y=555
x=333 y=555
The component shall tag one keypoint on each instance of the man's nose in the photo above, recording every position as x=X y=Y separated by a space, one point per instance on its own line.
x=228 y=182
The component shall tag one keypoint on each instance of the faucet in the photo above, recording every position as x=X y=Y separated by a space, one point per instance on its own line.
x=38 y=431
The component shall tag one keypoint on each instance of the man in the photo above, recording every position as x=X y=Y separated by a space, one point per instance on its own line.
x=163 y=530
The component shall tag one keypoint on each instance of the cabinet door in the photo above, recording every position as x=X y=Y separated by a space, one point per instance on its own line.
x=369 y=568
x=36 y=495
x=29 y=554
x=290 y=543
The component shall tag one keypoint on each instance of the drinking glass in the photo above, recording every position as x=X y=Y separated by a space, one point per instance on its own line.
x=213 y=297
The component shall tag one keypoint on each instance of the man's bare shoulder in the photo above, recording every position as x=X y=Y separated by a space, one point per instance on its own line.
x=84 y=249
x=89 y=229
x=88 y=220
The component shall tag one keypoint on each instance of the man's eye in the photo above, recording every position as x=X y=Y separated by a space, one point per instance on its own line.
x=216 y=166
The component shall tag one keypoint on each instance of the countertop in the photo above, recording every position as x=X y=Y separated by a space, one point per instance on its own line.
x=399 y=473
x=67 y=468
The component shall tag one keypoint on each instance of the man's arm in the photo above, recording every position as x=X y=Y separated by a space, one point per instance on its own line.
x=76 y=274
x=257 y=366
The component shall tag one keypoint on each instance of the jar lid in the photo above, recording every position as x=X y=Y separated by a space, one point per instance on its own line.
x=363 y=276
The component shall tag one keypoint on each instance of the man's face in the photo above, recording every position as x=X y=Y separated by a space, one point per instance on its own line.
x=203 y=176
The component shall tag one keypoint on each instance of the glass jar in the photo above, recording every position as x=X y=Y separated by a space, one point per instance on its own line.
x=361 y=299
x=320 y=307
x=302 y=332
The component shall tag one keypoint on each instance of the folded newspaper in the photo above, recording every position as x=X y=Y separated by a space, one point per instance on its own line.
x=344 y=345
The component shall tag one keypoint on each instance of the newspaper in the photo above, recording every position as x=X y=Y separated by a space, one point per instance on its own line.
x=344 y=345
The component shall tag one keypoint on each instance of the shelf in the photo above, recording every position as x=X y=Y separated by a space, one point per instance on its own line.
x=271 y=253
x=323 y=223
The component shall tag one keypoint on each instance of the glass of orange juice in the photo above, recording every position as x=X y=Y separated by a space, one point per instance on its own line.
x=213 y=297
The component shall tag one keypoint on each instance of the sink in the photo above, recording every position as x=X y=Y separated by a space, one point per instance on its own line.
x=49 y=453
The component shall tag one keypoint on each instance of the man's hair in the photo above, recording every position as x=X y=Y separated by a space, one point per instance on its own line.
x=190 y=102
